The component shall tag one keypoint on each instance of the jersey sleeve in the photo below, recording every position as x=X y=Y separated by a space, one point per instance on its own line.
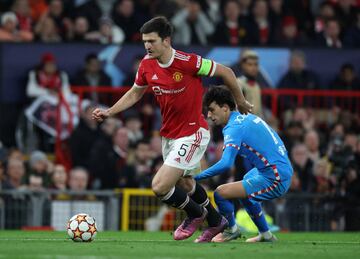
x=223 y=165
x=201 y=66
x=140 y=79
x=207 y=67
x=231 y=148
x=232 y=138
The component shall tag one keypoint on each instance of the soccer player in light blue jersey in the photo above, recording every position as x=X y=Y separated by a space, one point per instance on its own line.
x=252 y=138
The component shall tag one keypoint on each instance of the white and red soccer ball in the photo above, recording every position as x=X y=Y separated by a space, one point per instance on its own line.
x=82 y=228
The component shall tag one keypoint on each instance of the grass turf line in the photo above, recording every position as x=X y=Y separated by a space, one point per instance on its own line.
x=160 y=245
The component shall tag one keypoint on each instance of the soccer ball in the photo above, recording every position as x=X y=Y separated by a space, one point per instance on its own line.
x=82 y=228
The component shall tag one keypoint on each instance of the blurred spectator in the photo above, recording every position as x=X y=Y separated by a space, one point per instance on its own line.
x=276 y=11
x=293 y=133
x=298 y=76
x=50 y=87
x=80 y=29
x=133 y=124
x=15 y=153
x=326 y=11
x=289 y=35
x=22 y=11
x=15 y=172
x=94 y=9
x=150 y=117
x=301 y=9
x=123 y=16
x=109 y=161
x=156 y=146
x=248 y=83
x=78 y=182
x=47 y=79
x=245 y=8
x=108 y=33
x=35 y=183
x=130 y=78
x=303 y=166
x=276 y=17
x=59 y=178
x=92 y=75
x=165 y=8
x=61 y=24
x=351 y=189
x=142 y=163
x=330 y=37
x=260 y=78
x=78 y=179
x=47 y=32
x=323 y=182
x=346 y=12
x=83 y=138
x=350 y=141
x=261 y=31
x=38 y=7
x=352 y=34
x=231 y=30
x=191 y=25
x=40 y=166
x=2 y=173
x=212 y=9
x=101 y=147
x=346 y=79
x=9 y=31
x=340 y=153
x=305 y=117
x=312 y=142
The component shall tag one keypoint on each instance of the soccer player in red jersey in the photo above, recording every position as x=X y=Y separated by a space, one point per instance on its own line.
x=175 y=79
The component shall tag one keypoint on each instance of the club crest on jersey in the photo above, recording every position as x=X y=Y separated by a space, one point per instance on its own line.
x=177 y=76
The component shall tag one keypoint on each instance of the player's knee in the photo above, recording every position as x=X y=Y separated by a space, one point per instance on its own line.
x=186 y=183
x=159 y=187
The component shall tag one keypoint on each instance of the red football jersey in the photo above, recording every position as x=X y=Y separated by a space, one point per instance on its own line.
x=178 y=89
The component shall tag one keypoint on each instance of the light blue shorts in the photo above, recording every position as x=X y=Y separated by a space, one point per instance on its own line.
x=267 y=184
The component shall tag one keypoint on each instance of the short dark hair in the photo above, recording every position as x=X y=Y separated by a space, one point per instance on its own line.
x=348 y=66
x=90 y=57
x=158 y=24
x=220 y=95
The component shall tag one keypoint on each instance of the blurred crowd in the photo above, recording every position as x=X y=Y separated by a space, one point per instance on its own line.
x=323 y=144
x=326 y=23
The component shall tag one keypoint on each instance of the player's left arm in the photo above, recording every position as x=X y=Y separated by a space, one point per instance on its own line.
x=230 y=81
x=224 y=164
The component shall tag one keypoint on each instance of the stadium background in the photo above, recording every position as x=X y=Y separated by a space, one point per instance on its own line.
x=325 y=192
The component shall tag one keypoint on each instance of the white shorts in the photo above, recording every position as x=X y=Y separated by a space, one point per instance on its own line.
x=186 y=152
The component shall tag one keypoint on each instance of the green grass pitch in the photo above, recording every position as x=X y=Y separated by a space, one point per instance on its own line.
x=160 y=245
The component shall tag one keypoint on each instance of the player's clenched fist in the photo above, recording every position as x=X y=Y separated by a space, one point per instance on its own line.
x=100 y=114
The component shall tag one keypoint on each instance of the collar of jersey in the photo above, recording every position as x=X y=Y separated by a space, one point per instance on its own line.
x=170 y=61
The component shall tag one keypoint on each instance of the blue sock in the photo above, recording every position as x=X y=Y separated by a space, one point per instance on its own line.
x=253 y=208
x=226 y=208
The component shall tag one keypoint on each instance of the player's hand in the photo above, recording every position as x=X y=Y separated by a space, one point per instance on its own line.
x=100 y=114
x=245 y=107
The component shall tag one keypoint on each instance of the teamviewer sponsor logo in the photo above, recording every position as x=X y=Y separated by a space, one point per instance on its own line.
x=159 y=91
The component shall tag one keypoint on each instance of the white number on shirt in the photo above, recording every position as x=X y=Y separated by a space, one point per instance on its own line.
x=259 y=120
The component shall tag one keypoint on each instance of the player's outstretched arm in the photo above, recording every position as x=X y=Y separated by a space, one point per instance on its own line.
x=229 y=79
x=223 y=165
x=127 y=100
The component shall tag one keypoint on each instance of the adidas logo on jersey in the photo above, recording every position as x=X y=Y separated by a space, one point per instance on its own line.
x=154 y=77
x=177 y=159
